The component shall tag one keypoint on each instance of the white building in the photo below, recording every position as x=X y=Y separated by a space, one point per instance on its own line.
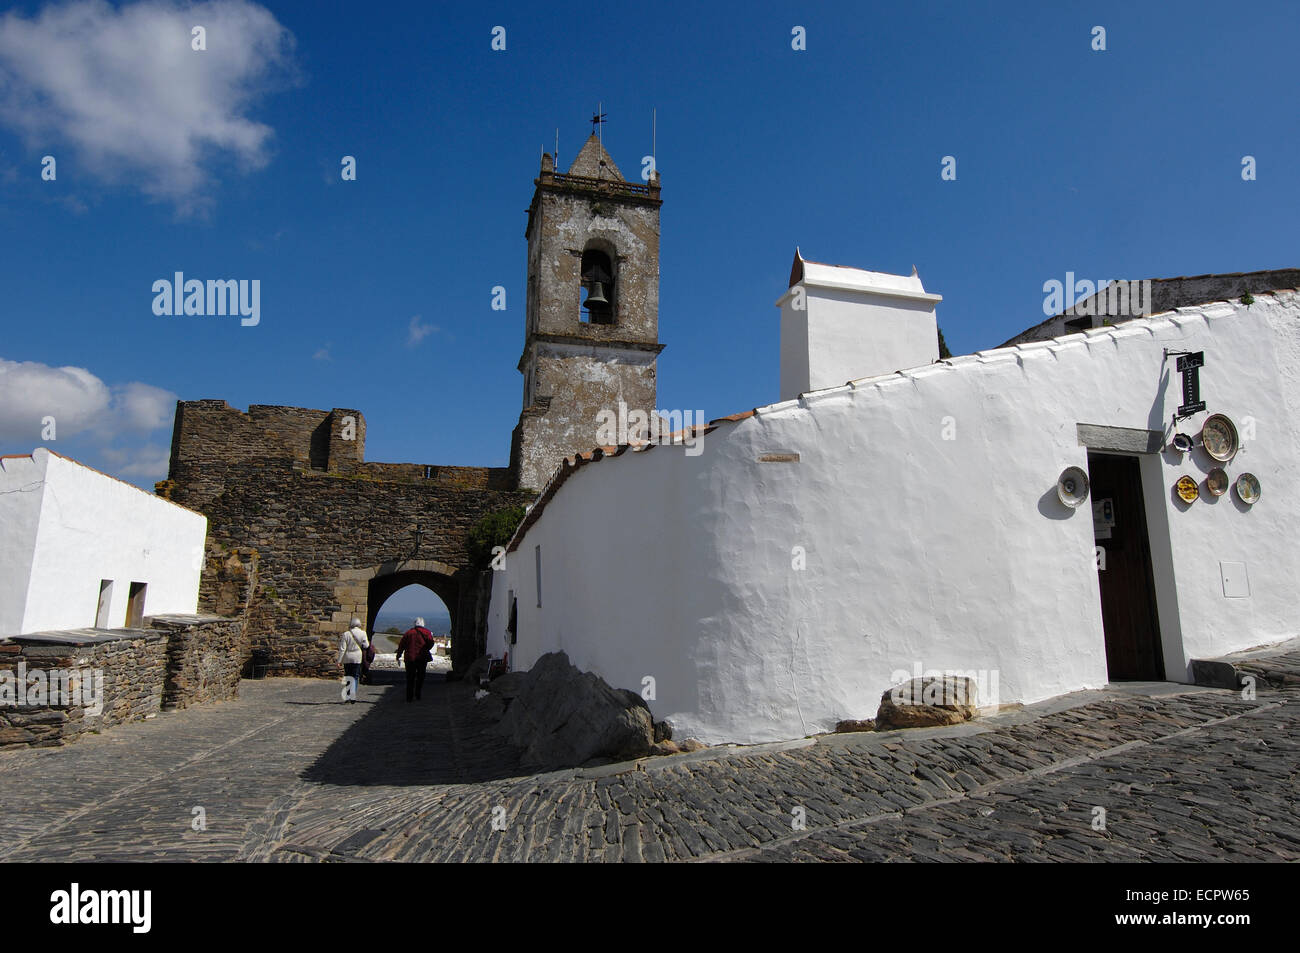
x=82 y=549
x=821 y=547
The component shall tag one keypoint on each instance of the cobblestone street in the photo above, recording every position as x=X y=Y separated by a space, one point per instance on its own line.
x=288 y=773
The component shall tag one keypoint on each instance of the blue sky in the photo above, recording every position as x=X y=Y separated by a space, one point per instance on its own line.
x=225 y=164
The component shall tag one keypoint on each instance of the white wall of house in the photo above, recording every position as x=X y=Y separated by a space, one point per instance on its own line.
x=21 y=483
x=80 y=527
x=920 y=550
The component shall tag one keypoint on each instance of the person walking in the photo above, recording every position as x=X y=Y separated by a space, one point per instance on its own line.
x=415 y=645
x=352 y=646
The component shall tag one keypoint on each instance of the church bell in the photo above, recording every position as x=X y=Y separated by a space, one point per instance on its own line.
x=596 y=296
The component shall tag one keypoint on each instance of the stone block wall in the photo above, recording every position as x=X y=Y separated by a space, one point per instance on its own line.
x=297 y=548
x=213 y=443
x=205 y=656
x=133 y=666
x=179 y=661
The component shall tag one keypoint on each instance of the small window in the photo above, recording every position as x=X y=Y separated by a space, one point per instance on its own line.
x=537 y=553
x=105 y=604
x=135 y=606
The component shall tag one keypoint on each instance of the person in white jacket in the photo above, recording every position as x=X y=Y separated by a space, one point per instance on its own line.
x=351 y=645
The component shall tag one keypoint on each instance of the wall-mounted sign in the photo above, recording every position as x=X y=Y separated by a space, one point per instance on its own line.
x=1103 y=518
x=1189 y=365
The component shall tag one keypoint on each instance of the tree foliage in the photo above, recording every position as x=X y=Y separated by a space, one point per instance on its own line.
x=495 y=529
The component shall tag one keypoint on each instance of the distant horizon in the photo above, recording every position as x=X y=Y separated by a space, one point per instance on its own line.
x=433 y=619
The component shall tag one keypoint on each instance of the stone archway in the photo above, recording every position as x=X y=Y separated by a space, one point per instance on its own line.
x=360 y=592
x=383 y=585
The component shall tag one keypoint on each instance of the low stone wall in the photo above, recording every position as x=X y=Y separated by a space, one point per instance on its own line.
x=54 y=686
x=205 y=656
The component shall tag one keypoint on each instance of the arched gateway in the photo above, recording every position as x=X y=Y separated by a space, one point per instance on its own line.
x=303 y=533
x=384 y=580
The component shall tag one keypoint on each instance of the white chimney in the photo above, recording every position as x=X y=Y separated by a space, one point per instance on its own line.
x=839 y=324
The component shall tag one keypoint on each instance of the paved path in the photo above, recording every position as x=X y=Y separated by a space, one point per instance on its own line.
x=287 y=773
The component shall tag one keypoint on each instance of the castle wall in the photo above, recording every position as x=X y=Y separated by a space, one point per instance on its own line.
x=213 y=442
x=292 y=545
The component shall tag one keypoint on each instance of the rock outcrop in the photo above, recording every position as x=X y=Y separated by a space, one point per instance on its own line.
x=926 y=702
x=562 y=717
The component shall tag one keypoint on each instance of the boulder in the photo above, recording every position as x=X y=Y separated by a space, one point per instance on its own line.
x=476 y=669
x=508 y=685
x=562 y=717
x=850 y=724
x=926 y=702
x=689 y=745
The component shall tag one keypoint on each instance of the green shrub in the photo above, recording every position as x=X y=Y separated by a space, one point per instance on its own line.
x=495 y=529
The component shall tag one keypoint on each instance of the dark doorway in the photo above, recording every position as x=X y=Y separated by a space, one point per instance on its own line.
x=1128 y=600
x=135 y=605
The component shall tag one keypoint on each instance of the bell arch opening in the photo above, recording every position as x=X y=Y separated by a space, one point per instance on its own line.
x=598 y=285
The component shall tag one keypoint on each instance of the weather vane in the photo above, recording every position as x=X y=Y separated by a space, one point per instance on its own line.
x=596 y=120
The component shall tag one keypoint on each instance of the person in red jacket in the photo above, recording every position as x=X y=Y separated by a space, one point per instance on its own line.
x=415 y=645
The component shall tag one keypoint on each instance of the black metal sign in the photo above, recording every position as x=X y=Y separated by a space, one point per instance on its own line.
x=1189 y=365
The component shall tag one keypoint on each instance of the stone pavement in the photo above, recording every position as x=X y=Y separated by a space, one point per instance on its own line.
x=288 y=773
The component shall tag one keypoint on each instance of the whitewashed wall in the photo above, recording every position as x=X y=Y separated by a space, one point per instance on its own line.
x=21 y=482
x=838 y=324
x=78 y=527
x=947 y=554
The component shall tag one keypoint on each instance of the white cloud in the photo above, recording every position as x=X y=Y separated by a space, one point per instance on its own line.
x=323 y=354
x=143 y=408
x=418 y=331
x=150 y=461
x=124 y=89
x=30 y=392
x=78 y=401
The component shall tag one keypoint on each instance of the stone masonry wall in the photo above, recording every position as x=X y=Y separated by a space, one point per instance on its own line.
x=205 y=657
x=293 y=544
x=213 y=443
x=179 y=661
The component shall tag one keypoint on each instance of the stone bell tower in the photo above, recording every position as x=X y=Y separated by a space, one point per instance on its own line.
x=592 y=333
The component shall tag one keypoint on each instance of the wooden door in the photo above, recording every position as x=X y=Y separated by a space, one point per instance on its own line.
x=1128 y=603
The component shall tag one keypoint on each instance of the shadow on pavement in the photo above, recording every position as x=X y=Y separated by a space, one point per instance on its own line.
x=437 y=740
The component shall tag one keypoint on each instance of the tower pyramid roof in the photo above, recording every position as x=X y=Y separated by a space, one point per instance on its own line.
x=594 y=162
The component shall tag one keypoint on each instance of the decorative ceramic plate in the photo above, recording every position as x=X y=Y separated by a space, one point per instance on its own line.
x=1182 y=442
x=1216 y=481
x=1247 y=488
x=1219 y=437
x=1072 y=487
x=1187 y=489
